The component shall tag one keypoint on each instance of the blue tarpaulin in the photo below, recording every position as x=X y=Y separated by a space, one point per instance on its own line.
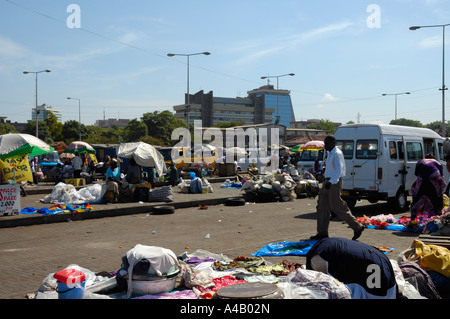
x=286 y=248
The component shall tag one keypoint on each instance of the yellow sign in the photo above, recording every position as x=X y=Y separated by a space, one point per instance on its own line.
x=16 y=169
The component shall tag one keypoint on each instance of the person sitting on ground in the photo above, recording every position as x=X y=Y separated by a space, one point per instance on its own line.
x=134 y=173
x=56 y=173
x=173 y=175
x=366 y=270
x=112 y=179
x=67 y=171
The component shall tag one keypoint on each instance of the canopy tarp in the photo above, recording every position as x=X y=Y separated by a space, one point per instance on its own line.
x=15 y=144
x=297 y=148
x=313 y=146
x=144 y=154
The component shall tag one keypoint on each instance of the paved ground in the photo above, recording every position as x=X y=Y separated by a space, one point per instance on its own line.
x=29 y=253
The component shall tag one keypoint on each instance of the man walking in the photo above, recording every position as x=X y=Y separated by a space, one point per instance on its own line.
x=330 y=194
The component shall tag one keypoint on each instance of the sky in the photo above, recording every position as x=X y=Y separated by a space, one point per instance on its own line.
x=112 y=55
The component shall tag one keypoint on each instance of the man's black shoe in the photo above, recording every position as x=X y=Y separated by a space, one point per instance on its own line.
x=318 y=237
x=358 y=233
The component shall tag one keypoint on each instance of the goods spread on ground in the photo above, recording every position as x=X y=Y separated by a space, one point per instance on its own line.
x=150 y=272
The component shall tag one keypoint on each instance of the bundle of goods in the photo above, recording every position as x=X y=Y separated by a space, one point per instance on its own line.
x=281 y=185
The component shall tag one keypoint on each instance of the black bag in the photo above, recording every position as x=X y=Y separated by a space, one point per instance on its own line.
x=141 y=194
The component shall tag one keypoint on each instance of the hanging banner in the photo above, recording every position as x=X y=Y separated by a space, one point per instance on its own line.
x=10 y=199
x=16 y=169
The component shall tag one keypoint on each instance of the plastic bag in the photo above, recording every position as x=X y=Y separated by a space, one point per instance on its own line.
x=292 y=291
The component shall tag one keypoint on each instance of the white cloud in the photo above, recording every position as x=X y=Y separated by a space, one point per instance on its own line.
x=431 y=42
x=323 y=30
x=10 y=49
x=255 y=49
x=328 y=97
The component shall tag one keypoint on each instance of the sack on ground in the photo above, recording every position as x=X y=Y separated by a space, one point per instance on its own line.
x=163 y=194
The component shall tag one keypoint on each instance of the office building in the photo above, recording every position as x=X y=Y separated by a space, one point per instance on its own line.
x=43 y=112
x=261 y=106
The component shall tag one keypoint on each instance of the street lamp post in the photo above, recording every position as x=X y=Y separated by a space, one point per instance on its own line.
x=395 y=94
x=79 y=114
x=443 y=67
x=36 y=86
x=188 y=98
x=277 y=76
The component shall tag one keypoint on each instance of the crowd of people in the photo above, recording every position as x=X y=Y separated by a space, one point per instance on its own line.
x=427 y=191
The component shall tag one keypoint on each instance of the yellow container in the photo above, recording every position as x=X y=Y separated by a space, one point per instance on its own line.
x=75 y=181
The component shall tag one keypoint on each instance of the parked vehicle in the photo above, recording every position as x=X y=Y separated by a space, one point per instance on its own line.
x=186 y=156
x=380 y=160
x=312 y=159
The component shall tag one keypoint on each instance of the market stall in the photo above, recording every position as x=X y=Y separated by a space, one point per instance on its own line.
x=15 y=150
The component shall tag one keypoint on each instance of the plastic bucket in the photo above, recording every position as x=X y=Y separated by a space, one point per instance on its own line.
x=74 y=292
x=71 y=283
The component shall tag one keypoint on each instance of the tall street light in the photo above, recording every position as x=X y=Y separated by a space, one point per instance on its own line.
x=79 y=114
x=384 y=94
x=36 y=104
x=188 y=97
x=277 y=76
x=443 y=66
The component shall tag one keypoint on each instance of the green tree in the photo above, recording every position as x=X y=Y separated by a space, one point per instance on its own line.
x=325 y=125
x=161 y=125
x=6 y=128
x=54 y=127
x=230 y=124
x=151 y=140
x=99 y=135
x=134 y=130
x=43 y=131
x=437 y=126
x=406 y=122
x=70 y=131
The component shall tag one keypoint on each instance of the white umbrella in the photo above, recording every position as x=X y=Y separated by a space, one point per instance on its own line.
x=238 y=151
x=79 y=147
x=14 y=144
x=144 y=154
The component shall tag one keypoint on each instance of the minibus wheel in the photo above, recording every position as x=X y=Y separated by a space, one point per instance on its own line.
x=400 y=201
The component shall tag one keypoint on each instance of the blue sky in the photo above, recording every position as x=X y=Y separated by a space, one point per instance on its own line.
x=117 y=61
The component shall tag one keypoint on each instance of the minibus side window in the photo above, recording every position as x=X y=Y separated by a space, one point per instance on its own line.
x=366 y=149
x=441 y=151
x=401 y=152
x=429 y=147
x=393 y=150
x=346 y=148
x=414 y=151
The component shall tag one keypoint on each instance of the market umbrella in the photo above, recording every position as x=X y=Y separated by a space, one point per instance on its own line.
x=15 y=144
x=144 y=154
x=238 y=151
x=66 y=156
x=313 y=146
x=59 y=146
x=79 y=147
x=297 y=148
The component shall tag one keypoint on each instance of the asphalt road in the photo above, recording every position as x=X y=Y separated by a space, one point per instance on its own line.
x=29 y=254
